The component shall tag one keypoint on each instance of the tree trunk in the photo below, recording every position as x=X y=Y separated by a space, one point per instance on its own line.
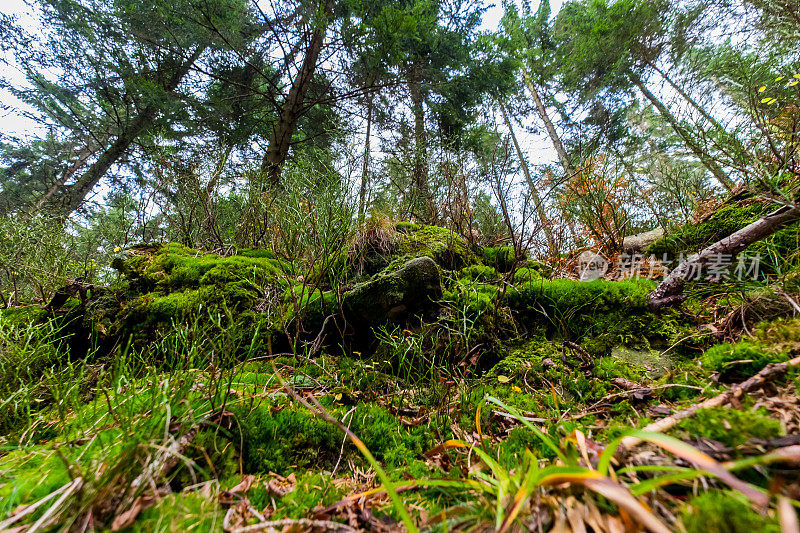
x=362 y=194
x=700 y=109
x=551 y=242
x=83 y=156
x=294 y=106
x=707 y=161
x=76 y=193
x=688 y=98
x=569 y=170
x=669 y=291
x=421 y=189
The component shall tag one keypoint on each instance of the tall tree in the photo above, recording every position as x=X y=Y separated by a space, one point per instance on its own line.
x=610 y=47
x=113 y=74
x=294 y=106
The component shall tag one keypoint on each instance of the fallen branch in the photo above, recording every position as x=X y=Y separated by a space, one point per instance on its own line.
x=669 y=291
x=769 y=372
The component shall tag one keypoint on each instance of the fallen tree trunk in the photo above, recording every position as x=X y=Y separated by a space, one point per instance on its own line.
x=768 y=373
x=670 y=290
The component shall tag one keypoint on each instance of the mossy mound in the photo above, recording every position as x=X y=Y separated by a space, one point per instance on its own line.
x=173 y=266
x=396 y=295
x=449 y=249
x=600 y=314
x=172 y=283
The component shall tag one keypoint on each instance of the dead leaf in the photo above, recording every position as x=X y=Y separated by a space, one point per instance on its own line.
x=281 y=486
x=127 y=518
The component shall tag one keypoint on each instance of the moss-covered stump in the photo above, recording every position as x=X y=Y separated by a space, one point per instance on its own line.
x=410 y=290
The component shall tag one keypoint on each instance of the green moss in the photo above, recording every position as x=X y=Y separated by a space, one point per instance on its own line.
x=741 y=360
x=174 y=266
x=526 y=275
x=175 y=306
x=293 y=438
x=693 y=237
x=501 y=257
x=21 y=479
x=731 y=427
x=23 y=316
x=523 y=357
x=649 y=364
x=407 y=227
x=312 y=490
x=599 y=314
x=479 y=273
x=784 y=331
x=286 y=440
x=450 y=250
x=471 y=297
x=396 y=295
x=725 y=512
x=190 y=511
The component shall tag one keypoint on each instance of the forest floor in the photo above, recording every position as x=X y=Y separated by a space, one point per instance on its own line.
x=237 y=393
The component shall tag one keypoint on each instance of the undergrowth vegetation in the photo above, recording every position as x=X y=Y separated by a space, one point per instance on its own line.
x=435 y=384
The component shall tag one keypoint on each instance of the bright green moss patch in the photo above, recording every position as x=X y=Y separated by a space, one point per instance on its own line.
x=741 y=360
x=599 y=314
x=526 y=275
x=173 y=266
x=447 y=248
x=282 y=439
x=21 y=477
x=479 y=273
x=173 y=306
x=471 y=296
x=501 y=258
x=407 y=227
x=725 y=512
x=731 y=427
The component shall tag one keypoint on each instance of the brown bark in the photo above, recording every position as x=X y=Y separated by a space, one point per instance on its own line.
x=421 y=187
x=83 y=156
x=551 y=242
x=669 y=291
x=362 y=194
x=76 y=193
x=569 y=170
x=295 y=104
x=690 y=143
